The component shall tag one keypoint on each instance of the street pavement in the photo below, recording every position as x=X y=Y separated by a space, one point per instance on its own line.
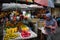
x=57 y=35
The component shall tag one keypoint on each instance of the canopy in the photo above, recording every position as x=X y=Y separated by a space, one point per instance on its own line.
x=13 y=6
x=16 y=6
x=48 y=3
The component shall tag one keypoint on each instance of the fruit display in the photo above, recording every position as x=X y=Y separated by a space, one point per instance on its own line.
x=24 y=28
x=19 y=24
x=6 y=37
x=8 y=23
x=25 y=34
x=11 y=30
x=10 y=34
x=25 y=31
x=14 y=26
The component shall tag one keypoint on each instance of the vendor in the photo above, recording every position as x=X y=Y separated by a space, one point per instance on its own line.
x=50 y=25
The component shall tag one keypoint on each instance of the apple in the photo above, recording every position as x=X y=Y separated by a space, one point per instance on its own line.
x=25 y=34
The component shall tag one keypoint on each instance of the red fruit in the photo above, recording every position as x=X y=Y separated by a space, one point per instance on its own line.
x=28 y=34
x=25 y=34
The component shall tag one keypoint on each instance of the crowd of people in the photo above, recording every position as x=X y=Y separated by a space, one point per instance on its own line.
x=12 y=17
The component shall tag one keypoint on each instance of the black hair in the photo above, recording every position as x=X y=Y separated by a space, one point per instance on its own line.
x=47 y=12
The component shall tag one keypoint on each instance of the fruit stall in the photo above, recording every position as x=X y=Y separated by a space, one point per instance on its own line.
x=22 y=23
x=18 y=24
x=18 y=31
x=23 y=29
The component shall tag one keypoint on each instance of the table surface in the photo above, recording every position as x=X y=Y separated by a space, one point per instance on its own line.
x=42 y=30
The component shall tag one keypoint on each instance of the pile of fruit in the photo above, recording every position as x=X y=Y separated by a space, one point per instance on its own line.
x=11 y=30
x=9 y=24
x=25 y=34
x=25 y=31
x=24 y=28
x=10 y=34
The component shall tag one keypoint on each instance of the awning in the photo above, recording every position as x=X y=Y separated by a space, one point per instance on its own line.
x=17 y=6
x=13 y=6
x=35 y=6
x=48 y=3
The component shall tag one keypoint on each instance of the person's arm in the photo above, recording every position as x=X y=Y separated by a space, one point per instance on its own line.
x=46 y=25
x=55 y=26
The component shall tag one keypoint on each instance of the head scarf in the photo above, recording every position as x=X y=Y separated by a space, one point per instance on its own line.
x=48 y=15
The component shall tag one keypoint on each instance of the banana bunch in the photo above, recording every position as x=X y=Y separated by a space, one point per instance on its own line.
x=13 y=35
x=6 y=37
x=11 y=30
x=10 y=33
x=10 y=36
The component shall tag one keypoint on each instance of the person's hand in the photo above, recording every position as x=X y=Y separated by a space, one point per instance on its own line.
x=44 y=28
x=50 y=26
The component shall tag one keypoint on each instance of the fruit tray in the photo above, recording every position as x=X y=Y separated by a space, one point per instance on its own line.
x=33 y=35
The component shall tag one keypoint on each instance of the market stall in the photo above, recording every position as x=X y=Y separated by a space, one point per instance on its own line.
x=18 y=22
x=18 y=33
x=17 y=29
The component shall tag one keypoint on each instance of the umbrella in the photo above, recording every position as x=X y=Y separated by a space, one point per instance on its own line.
x=42 y=2
x=48 y=3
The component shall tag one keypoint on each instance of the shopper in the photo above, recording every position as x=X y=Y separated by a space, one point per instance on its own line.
x=50 y=25
x=11 y=16
x=14 y=19
x=18 y=18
